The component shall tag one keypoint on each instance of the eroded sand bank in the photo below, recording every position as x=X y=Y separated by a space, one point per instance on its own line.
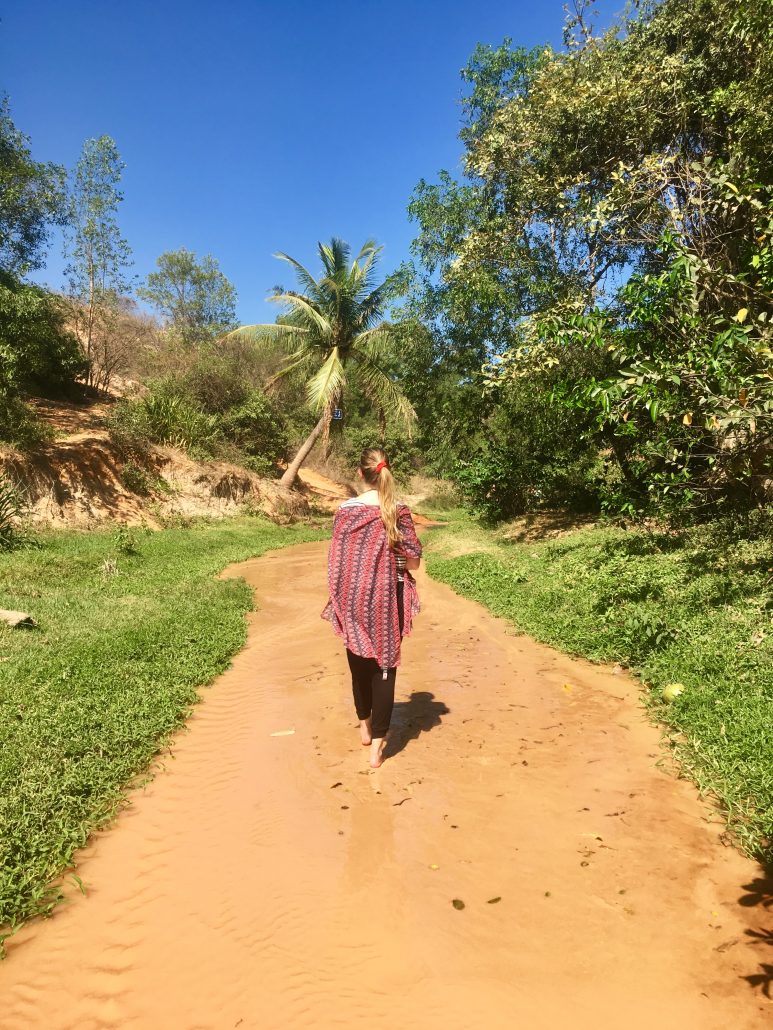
x=268 y=881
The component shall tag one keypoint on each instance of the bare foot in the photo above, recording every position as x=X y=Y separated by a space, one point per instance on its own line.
x=377 y=746
x=366 y=731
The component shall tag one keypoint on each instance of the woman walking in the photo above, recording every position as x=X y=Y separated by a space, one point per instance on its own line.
x=372 y=592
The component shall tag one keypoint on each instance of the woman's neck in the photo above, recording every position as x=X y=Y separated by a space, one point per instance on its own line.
x=369 y=497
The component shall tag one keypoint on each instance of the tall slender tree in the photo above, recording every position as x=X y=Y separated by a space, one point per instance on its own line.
x=98 y=254
x=333 y=329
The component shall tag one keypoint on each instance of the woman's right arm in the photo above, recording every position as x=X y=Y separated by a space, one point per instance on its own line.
x=410 y=545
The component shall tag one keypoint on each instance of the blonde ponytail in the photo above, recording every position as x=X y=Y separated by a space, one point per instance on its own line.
x=374 y=466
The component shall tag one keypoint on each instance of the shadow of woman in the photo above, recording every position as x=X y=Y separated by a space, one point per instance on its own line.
x=760 y=893
x=419 y=714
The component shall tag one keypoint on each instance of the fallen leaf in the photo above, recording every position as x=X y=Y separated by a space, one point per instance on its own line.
x=672 y=691
x=336 y=784
x=458 y=904
x=282 y=733
x=434 y=866
x=493 y=901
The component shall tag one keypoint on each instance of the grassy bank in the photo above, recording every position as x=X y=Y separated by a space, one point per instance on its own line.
x=129 y=624
x=694 y=608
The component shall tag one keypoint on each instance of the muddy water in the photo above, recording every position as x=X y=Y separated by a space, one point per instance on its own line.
x=271 y=881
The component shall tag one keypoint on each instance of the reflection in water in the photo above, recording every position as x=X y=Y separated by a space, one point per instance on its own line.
x=371 y=840
x=371 y=822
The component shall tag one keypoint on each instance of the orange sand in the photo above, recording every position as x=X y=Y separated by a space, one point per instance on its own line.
x=266 y=881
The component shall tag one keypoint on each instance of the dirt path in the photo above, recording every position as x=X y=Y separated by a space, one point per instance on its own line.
x=269 y=881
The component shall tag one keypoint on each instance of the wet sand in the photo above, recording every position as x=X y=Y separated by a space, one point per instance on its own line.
x=272 y=881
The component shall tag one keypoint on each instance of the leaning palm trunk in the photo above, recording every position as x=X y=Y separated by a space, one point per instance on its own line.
x=288 y=479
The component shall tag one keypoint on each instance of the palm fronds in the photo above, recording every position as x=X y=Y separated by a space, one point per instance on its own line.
x=335 y=256
x=275 y=333
x=305 y=308
x=384 y=391
x=326 y=385
x=303 y=275
x=334 y=322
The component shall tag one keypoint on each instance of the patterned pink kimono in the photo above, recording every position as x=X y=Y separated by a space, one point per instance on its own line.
x=362 y=578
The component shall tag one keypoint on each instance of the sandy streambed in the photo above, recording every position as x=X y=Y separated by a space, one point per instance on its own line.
x=266 y=879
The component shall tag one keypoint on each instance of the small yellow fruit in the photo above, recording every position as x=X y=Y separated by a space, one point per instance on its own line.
x=672 y=690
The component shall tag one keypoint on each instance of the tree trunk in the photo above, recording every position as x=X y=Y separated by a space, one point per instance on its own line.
x=288 y=479
x=90 y=328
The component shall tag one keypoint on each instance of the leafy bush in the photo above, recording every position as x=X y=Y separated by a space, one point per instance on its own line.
x=36 y=351
x=166 y=419
x=258 y=428
x=214 y=376
x=687 y=401
x=19 y=425
x=126 y=542
x=175 y=421
x=259 y=465
x=135 y=478
x=521 y=469
x=535 y=453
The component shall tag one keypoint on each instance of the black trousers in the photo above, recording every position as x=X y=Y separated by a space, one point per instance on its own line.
x=374 y=695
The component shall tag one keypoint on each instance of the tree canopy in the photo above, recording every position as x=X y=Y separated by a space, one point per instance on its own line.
x=609 y=247
x=192 y=294
x=31 y=199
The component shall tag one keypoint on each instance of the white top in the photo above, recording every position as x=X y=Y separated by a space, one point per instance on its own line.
x=369 y=497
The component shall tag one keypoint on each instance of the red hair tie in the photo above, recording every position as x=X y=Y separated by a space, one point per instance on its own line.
x=381 y=465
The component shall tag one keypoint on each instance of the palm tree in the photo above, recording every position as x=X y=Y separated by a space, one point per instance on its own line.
x=333 y=327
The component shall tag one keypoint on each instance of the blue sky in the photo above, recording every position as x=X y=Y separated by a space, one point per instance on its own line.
x=252 y=127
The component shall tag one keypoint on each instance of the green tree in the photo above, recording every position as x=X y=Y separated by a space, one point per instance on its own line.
x=37 y=354
x=36 y=351
x=335 y=329
x=31 y=199
x=640 y=153
x=192 y=294
x=98 y=254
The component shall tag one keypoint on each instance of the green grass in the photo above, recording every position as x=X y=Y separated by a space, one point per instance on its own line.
x=694 y=608
x=129 y=625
